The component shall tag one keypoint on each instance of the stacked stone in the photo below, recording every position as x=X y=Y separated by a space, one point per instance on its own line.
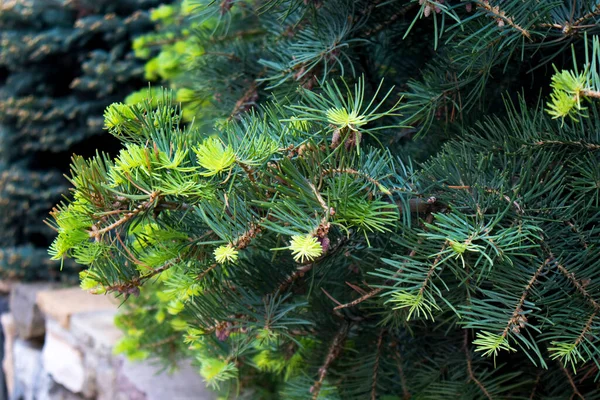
x=58 y=345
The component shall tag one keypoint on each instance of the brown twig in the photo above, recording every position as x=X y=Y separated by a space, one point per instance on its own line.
x=501 y=17
x=375 y=292
x=516 y=315
x=96 y=233
x=588 y=146
x=376 y=367
x=577 y=283
x=571 y=382
x=470 y=368
x=334 y=351
x=398 y=358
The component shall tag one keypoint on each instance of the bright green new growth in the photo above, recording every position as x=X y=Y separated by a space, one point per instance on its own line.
x=297 y=242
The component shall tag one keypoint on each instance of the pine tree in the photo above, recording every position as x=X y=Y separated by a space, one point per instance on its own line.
x=61 y=63
x=375 y=200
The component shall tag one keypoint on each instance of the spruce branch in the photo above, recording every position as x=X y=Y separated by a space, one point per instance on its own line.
x=398 y=358
x=470 y=366
x=334 y=351
x=577 y=283
x=376 y=365
x=517 y=319
x=501 y=17
x=375 y=292
x=571 y=382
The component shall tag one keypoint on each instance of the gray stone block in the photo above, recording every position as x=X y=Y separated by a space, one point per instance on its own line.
x=28 y=318
x=143 y=381
x=28 y=369
x=96 y=331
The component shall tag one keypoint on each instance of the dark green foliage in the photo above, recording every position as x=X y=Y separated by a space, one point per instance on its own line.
x=290 y=244
x=61 y=64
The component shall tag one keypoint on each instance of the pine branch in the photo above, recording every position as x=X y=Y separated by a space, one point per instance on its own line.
x=97 y=233
x=334 y=351
x=516 y=318
x=588 y=146
x=591 y=14
x=376 y=366
x=470 y=368
x=577 y=283
x=376 y=291
x=586 y=329
x=501 y=17
x=571 y=382
x=398 y=358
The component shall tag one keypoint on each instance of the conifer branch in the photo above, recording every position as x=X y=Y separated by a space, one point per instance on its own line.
x=97 y=233
x=588 y=146
x=591 y=14
x=535 y=386
x=516 y=319
x=470 y=368
x=376 y=367
x=334 y=351
x=577 y=283
x=206 y=271
x=594 y=94
x=398 y=358
x=502 y=18
x=432 y=268
x=376 y=291
x=586 y=328
x=132 y=287
x=576 y=391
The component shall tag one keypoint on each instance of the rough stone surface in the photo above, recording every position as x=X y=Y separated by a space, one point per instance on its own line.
x=28 y=318
x=9 y=330
x=96 y=330
x=142 y=381
x=28 y=369
x=50 y=390
x=64 y=361
x=61 y=304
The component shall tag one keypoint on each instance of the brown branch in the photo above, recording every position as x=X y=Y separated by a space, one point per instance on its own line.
x=398 y=358
x=502 y=18
x=588 y=146
x=248 y=99
x=535 y=386
x=131 y=287
x=577 y=283
x=571 y=382
x=302 y=270
x=334 y=351
x=470 y=368
x=516 y=317
x=202 y=274
x=586 y=328
x=375 y=292
x=96 y=233
x=376 y=368
x=351 y=171
x=592 y=14
x=432 y=268
x=394 y=17
x=590 y=93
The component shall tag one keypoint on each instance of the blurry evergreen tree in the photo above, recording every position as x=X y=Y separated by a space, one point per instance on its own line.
x=359 y=200
x=61 y=63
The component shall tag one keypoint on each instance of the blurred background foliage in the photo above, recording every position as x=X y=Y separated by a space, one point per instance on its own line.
x=61 y=63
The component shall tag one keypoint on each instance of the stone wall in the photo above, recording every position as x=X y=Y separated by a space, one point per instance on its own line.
x=58 y=345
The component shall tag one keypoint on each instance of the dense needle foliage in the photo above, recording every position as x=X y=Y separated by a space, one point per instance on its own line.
x=362 y=200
